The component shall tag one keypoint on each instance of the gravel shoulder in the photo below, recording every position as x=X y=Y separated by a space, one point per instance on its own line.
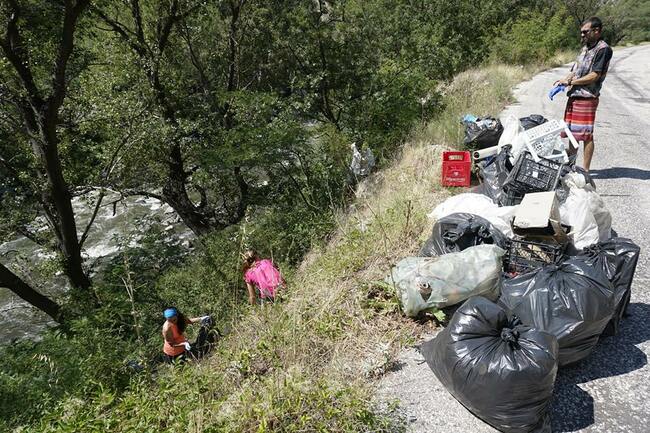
x=609 y=391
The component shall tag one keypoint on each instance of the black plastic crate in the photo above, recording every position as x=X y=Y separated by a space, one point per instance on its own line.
x=511 y=197
x=530 y=176
x=523 y=255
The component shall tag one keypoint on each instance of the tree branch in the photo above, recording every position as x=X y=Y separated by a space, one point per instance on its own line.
x=233 y=60
x=204 y=197
x=84 y=236
x=137 y=18
x=164 y=26
x=134 y=192
x=59 y=84
x=38 y=240
x=12 y=46
x=123 y=31
x=297 y=185
x=243 y=201
x=14 y=283
x=10 y=168
x=185 y=34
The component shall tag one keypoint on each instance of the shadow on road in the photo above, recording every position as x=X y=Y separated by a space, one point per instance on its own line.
x=573 y=408
x=619 y=173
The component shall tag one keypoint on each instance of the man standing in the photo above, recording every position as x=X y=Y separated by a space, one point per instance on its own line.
x=584 y=83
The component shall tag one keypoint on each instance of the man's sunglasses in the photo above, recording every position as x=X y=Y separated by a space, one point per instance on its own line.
x=584 y=32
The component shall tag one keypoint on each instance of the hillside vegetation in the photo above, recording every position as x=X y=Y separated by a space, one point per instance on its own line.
x=239 y=115
x=309 y=362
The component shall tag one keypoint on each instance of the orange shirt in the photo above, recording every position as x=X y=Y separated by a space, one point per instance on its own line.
x=177 y=338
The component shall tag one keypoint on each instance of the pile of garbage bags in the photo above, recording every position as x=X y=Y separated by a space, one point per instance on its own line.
x=509 y=175
x=542 y=281
x=499 y=359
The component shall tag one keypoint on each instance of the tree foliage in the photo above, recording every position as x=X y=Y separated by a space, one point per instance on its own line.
x=534 y=35
x=239 y=114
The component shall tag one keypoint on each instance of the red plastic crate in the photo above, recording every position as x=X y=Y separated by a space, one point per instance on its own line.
x=456 y=168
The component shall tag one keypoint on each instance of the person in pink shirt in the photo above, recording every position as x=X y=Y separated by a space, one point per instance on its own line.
x=262 y=275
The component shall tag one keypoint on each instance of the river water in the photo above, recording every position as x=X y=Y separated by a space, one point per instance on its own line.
x=114 y=225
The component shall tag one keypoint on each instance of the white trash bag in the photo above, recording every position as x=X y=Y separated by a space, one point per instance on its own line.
x=585 y=211
x=513 y=134
x=477 y=204
x=435 y=282
x=362 y=163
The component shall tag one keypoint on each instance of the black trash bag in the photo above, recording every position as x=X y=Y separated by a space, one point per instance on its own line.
x=482 y=133
x=572 y=300
x=617 y=257
x=529 y=122
x=493 y=172
x=459 y=231
x=499 y=369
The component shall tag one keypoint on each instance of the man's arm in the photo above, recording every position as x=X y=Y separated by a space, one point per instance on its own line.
x=566 y=80
x=590 y=78
x=600 y=65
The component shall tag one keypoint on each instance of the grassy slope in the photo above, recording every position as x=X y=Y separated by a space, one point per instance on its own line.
x=309 y=363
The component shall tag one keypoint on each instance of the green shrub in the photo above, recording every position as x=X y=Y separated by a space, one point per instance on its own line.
x=534 y=37
x=626 y=21
x=36 y=376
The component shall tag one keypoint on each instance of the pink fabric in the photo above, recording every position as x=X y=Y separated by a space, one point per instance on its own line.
x=265 y=276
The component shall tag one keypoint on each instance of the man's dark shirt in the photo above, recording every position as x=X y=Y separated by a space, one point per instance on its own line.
x=591 y=59
x=601 y=61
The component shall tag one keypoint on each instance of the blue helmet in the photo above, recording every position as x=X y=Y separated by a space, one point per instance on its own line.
x=170 y=312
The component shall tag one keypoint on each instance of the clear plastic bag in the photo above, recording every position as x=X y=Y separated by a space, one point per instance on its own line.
x=434 y=282
x=513 y=135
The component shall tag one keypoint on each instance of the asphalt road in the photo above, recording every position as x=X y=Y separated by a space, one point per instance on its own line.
x=610 y=390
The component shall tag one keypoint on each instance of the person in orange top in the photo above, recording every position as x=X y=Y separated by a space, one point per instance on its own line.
x=175 y=344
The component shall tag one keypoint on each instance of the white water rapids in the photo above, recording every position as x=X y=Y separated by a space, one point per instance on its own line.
x=19 y=319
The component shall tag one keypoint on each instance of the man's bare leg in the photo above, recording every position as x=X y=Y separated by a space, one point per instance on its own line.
x=589 y=153
x=571 y=151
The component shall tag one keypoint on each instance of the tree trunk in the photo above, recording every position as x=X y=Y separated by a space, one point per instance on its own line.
x=175 y=195
x=67 y=226
x=57 y=197
x=200 y=219
x=13 y=282
x=174 y=191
